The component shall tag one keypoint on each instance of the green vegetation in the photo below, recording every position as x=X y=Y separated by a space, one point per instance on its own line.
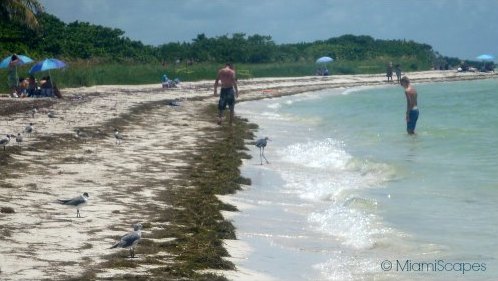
x=100 y=55
x=22 y=12
x=80 y=73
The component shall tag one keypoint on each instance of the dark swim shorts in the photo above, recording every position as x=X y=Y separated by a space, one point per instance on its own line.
x=227 y=97
x=413 y=117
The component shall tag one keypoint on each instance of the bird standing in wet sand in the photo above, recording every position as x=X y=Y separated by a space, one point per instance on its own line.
x=118 y=136
x=5 y=141
x=130 y=240
x=76 y=202
x=261 y=144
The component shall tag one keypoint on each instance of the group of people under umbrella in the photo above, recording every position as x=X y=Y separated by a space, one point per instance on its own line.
x=29 y=86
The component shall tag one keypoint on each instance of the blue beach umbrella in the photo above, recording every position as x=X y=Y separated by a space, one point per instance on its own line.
x=22 y=60
x=47 y=64
x=486 y=57
x=324 y=60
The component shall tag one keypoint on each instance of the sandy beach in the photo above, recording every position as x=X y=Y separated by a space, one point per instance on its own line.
x=41 y=239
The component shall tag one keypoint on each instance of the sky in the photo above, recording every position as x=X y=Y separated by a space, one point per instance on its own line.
x=454 y=28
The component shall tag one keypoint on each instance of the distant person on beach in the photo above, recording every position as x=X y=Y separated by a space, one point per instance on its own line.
x=32 y=86
x=12 y=75
x=411 y=105
x=229 y=91
x=389 y=72
x=397 y=69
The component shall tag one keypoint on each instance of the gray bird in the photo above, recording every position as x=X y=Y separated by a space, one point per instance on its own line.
x=29 y=129
x=33 y=112
x=82 y=135
x=130 y=240
x=261 y=144
x=5 y=141
x=19 y=139
x=51 y=115
x=118 y=136
x=76 y=202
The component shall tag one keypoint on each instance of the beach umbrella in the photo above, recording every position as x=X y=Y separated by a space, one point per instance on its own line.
x=47 y=64
x=324 y=60
x=22 y=60
x=486 y=57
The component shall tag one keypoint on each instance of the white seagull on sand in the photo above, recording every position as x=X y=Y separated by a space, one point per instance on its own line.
x=51 y=115
x=76 y=202
x=5 y=141
x=19 y=139
x=29 y=129
x=130 y=240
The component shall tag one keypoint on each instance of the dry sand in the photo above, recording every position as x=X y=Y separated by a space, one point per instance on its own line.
x=43 y=239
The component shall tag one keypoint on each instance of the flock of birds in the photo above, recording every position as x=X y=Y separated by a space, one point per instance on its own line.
x=127 y=241
x=29 y=129
x=131 y=239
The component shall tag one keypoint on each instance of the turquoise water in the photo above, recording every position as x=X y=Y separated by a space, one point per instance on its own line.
x=348 y=192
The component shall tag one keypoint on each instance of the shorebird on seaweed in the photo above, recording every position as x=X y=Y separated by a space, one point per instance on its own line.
x=130 y=240
x=261 y=144
x=76 y=202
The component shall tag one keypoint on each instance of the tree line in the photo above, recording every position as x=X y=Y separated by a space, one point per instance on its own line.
x=84 y=41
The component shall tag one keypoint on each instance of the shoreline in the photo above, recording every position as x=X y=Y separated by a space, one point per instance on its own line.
x=162 y=146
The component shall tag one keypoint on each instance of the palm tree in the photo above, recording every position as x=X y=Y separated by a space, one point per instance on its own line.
x=21 y=11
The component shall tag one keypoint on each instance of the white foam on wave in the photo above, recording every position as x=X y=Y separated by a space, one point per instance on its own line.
x=326 y=154
x=324 y=172
x=340 y=268
x=274 y=106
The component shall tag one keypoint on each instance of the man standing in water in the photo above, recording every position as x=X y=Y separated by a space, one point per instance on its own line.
x=411 y=105
x=228 y=93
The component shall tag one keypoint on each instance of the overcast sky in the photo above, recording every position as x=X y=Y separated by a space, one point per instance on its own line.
x=456 y=28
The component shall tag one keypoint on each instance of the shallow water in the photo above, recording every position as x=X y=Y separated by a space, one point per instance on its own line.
x=348 y=192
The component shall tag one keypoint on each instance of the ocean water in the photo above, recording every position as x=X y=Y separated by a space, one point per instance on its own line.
x=348 y=195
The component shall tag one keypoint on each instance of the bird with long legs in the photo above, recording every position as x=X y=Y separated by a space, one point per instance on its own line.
x=261 y=144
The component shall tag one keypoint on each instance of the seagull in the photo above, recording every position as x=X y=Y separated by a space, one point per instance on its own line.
x=82 y=135
x=5 y=141
x=118 y=136
x=261 y=143
x=29 y=129
x=130 y=240
x=33 y=112
x=19 y=139
x=76 y=202
x=51 y=115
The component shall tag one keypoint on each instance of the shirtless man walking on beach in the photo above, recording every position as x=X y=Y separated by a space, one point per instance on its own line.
x=228 y=93
x=411 y=105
